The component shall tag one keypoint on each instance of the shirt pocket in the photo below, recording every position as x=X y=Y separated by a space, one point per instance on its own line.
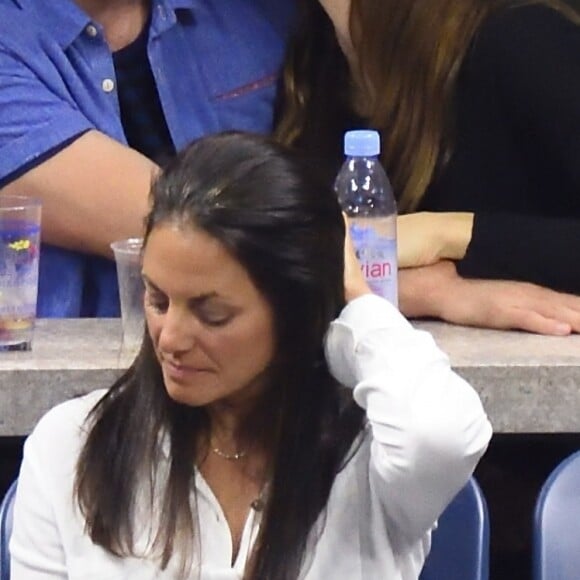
x=242 y=62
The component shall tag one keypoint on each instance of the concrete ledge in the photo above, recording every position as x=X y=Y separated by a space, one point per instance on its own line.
x=528 y=383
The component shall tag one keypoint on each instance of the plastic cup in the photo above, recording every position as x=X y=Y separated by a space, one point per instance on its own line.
x=131 y=289
x=19 y=254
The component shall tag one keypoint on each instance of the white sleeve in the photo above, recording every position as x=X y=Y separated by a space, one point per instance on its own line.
x=35 y=547
x=428 y=426
x=43 y=509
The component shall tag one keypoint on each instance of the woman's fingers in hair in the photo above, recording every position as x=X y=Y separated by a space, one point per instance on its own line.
x=355 y=284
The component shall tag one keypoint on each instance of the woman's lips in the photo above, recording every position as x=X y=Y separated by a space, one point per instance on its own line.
x=178 y=371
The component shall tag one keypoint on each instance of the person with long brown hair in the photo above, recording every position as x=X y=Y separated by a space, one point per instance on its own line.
x=478 y=105
x=280 y=421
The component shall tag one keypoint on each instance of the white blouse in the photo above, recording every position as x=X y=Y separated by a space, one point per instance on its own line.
x=427 y=430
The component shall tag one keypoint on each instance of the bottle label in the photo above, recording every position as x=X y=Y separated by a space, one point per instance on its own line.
x=377 y=255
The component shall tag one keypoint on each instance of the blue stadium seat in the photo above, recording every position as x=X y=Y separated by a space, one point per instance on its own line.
x=460 y=548
x=556 y=532
x=6 y=508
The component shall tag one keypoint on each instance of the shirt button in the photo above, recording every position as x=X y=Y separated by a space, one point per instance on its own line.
x=108 y=85
x=91 y=30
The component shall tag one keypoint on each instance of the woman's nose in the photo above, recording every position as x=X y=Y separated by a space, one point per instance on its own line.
x=177 y=331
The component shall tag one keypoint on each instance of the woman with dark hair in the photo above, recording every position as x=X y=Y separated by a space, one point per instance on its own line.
x=478 y=105
x=233 y=447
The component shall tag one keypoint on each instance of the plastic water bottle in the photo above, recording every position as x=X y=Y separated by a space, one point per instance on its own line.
x=366 y=196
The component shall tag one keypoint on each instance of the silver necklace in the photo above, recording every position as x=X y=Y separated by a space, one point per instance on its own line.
x=229 y=456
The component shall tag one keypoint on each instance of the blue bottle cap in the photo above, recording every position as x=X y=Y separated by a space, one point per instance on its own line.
x=362 y=143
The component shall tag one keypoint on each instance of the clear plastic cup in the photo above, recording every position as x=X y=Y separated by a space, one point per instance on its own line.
x=131 y=289
x=19 y=255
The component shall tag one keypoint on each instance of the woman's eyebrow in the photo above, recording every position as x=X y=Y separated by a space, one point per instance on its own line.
x=194 y=300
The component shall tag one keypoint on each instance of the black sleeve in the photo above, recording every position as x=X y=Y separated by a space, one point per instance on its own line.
x=507 y=246
x=536 y=54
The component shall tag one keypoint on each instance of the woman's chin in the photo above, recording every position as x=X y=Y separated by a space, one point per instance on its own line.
x=192 y=395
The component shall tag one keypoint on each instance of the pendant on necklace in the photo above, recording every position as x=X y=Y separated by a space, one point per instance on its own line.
x=228 y=456
x=258 y=504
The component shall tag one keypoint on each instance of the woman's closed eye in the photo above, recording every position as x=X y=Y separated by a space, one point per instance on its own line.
x=211 y=317
x=208 y=316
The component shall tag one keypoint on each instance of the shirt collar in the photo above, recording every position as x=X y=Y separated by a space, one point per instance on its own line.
x=179 y=4
x=63 y=18
x=66 y=20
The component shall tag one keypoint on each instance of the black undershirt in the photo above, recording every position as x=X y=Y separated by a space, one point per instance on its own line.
x=141 y=113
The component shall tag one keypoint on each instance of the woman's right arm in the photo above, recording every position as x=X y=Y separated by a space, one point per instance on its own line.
x=428 y=425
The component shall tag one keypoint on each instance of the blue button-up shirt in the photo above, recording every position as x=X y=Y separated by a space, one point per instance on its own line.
x=215 y=64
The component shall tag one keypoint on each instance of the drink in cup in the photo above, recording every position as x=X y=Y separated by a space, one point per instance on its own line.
x=19 y=255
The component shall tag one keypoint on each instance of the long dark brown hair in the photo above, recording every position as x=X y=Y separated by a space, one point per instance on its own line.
x=408 y=54
x=284 y=225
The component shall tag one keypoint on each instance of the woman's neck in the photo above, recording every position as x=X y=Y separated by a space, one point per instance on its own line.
x=338 y=11
x=226 y=427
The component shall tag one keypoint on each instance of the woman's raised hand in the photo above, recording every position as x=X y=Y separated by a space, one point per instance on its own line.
x=355 y=284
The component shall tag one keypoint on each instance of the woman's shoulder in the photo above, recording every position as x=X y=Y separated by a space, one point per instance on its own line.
x=524 y=48
x=52 y=449
x=66 y=420
x=526 y=27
